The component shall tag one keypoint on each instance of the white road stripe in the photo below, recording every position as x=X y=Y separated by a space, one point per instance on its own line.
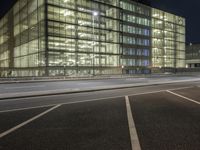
x=27 y=122
x=83 y=101
x=135 y=144
x=189 y=99
x=27 y=108
x=161 y=91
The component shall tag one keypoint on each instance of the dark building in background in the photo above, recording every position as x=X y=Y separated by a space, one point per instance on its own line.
x=193 y=55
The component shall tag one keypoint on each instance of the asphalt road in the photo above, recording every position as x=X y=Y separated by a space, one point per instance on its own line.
x=165 y=117
x=81 y=84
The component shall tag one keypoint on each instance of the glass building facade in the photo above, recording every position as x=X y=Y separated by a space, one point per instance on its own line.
x=88 y=37
x=22 y=39
x=168 y=40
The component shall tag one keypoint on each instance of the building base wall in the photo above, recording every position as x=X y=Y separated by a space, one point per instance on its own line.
x=72 y=71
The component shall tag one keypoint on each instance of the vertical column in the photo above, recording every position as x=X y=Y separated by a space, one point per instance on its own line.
x=76 y=39
x=151 y=41
x=11 y=41
x=164 y=42
x=121 y=40
x=175 y=46
x=46 y=39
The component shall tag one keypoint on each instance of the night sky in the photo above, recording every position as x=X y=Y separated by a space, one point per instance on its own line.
x=190 y=9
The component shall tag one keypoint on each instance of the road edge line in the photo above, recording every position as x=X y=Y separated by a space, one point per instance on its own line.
x=186 y=98
x=68 y=103
x=135 y=143
x=27 y=122
x=54 y=95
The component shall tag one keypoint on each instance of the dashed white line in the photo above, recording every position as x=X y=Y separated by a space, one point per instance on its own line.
x=28 y=121
x=186 y=98
x=135 y=144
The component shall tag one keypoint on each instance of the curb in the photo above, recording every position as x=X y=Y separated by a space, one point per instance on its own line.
x=82 y=79
x=67 y=79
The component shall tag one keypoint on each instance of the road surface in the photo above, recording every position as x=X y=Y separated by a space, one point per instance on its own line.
x=161 y=117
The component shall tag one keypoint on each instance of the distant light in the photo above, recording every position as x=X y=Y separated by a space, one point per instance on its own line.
x=95 y=13
x=159 y=22
x=155 y=15
x=56 y=44
x=67 y=13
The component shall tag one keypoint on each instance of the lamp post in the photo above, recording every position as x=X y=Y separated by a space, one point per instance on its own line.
x=64 y=70
x=94 y=14
x=122 y=69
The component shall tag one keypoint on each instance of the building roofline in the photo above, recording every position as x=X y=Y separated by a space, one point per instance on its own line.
x=137 y=1
x=168 y=11
x=150 y=5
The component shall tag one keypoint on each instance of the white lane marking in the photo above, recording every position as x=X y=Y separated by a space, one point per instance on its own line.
x=27 y=108
x=83 y=101
x=189 y=99
x=188 y=87
x=36 y=97
x=24 y=87
x=53 y=104
x=135 y=143
x=28 y=121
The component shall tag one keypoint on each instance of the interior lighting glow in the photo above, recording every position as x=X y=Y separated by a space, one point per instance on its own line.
x=95 y=13
x=155 y=15
x=65 y=1
x=67 y=13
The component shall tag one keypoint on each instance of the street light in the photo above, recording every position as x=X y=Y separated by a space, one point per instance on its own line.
x=64 y=70
x=94 y=14
x=122 y=69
